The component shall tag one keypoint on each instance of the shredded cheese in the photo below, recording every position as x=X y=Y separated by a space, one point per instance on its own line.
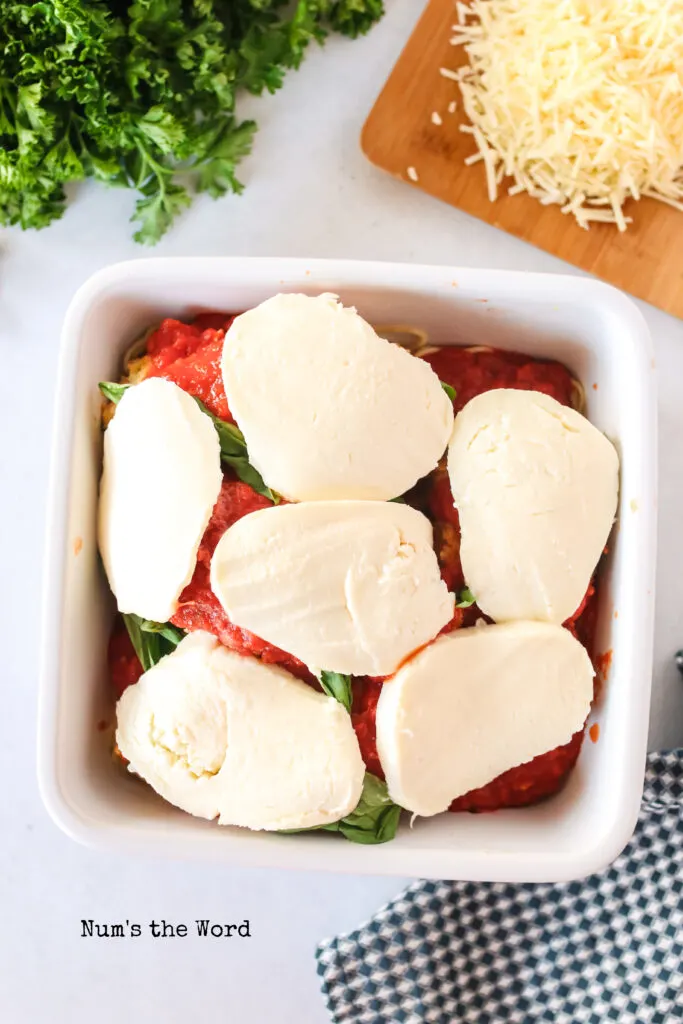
x=579 y=102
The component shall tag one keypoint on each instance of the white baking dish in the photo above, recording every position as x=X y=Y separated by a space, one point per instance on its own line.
x=596 y=331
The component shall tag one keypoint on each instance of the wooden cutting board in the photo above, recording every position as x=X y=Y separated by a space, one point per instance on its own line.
x=646 y=260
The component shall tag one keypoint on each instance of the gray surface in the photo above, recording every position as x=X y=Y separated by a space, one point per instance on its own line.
x=310 y=193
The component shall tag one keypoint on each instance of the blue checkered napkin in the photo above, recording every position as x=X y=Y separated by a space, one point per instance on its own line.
x=606 y=949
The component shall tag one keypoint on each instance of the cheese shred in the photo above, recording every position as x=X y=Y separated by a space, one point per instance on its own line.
x=579 y=103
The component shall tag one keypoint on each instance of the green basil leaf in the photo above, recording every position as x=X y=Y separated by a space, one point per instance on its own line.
x=111 y=391
x=450 y=391
x=234 y=454
x=151 y=640
x=465 y=599
x=375 y=819
x=231 y=439
x=164 y=629
x=338 y=686
x=401 y=500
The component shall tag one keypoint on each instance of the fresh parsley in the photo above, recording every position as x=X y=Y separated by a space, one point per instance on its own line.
x=141 y=94
x=465 y=599
x=374 y=820
x=450 y=391
x=233 y=446
x=151 y=640
x=338 y=686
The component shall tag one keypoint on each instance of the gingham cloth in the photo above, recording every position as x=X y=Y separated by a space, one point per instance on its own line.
x=605 y=949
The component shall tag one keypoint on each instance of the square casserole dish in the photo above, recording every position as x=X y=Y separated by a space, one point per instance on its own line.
x=593 y=329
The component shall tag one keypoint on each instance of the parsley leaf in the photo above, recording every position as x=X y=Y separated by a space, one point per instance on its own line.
x=162 y=202
x=465 y=599
x=450 y=391
x=355 y=17
x=217 y=164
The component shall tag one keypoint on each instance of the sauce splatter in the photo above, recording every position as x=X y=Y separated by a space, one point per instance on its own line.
x=603 y=664
x=594 y=732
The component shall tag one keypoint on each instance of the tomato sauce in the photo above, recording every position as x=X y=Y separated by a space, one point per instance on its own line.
x=190 y=356
x=473 y=372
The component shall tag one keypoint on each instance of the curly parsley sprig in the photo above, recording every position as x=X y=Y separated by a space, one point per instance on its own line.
x=141 y=94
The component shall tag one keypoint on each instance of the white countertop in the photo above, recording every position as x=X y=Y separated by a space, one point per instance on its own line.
x=309 y=193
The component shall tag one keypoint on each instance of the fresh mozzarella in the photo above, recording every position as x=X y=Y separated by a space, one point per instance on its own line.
x=476 y=703
x=347 y=586
x=329 y=409
x=161 y=478
x=224 y=736
x=536 y=487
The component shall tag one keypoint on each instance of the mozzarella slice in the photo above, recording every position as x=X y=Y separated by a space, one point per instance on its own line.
x=476 y=703
x=161 y=478
x=225 y=736
x=536 y=487
x=347 y=586
x=329 y=409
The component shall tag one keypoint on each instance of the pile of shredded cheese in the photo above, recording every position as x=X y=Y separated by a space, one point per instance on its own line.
x=580 y=102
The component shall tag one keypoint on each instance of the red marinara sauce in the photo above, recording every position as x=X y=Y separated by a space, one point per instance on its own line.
x=473 y=371
x=190 y=356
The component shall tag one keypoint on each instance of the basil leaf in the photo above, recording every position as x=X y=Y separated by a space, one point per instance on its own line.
x=338 y=686
x=400 y=500
x=112 y=392
x=234 y=454
x=151 y=640
x=164 y=629
x=465 y=599
x=374 y=820
x=451 y=392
